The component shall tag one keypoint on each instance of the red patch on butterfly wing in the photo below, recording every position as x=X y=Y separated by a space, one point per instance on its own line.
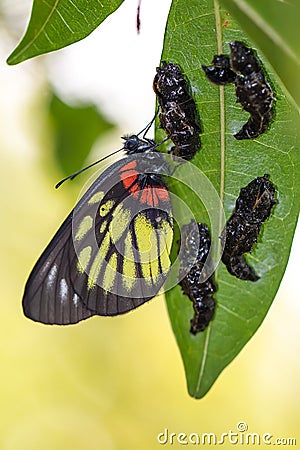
x=148 y=196
x=128 y=182
x=129 y=176
x=128 y=166
x=163 y=194
x=152 y=195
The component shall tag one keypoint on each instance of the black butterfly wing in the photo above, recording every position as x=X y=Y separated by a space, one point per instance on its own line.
x=85 y=270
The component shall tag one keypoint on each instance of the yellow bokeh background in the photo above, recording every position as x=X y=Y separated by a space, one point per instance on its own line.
x=113 y=383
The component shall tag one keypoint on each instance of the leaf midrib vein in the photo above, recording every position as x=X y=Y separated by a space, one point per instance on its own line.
x=222 y=173
x=40 y=31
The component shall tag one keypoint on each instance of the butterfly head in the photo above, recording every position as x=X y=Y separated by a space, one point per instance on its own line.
x=133 y=144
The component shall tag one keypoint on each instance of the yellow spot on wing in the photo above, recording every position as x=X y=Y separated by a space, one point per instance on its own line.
x=146 y=272
x=103 y=226
x=129 y=266
x=105 y=208
x=110 y=273
x=84 y=259
x=96 y=198
x=166 y=238
x=98 y=261
x=84 y=226
x=113 y=262
x=145 y=237
x=120 y=223
x=129 y=247
x=129 y=273
x=165 y=261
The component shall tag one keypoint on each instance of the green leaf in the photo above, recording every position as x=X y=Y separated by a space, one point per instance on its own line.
x=196 y=31
x=54 y=24
x=274 y=28
x=76 y=129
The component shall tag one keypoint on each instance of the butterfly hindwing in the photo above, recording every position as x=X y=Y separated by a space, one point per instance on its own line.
x=49 y=295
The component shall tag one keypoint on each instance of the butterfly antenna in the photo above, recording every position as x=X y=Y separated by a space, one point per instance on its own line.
x=148 y=126
x=71 y=177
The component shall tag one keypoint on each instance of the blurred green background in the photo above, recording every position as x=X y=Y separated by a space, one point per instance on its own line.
x=111 y=383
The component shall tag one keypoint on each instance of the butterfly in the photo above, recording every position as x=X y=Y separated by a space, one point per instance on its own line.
x=111 y=254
